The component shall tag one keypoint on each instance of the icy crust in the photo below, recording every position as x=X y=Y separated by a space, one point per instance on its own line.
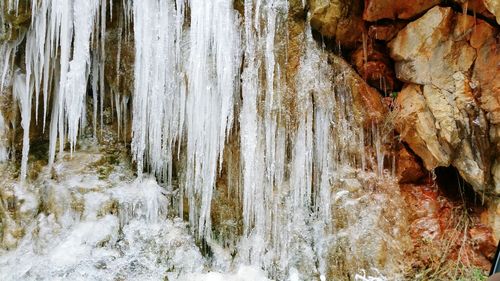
x=97 y=229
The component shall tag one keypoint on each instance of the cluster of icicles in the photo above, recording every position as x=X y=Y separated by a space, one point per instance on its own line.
x=199 y=80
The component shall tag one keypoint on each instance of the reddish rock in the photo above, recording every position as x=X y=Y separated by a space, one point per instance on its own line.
x=408 y=170
x=487 y=74
x=483 y=241
x=368 y=104
x=434 y=217
x=421 y=199
x=390 y=9
x=375 y=68
x=481 y=33
x=385 y=32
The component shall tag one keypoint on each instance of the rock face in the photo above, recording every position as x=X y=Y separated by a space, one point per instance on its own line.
x=436 y=54
x=388 y=9
x=119 y=67
x=487 y=75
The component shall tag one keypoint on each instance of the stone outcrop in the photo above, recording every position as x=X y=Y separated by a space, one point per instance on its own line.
x=425 y=53
x=415 y=124
x=388 y=9
x=439 y=115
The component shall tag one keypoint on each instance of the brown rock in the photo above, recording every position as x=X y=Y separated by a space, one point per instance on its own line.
x=434 y=51
x=487 y=74
x=415 y=124
x=388 y=9
x=408 y=170
x=494 y=7
x=368 y=103
x=339 y=19
x=374 y=66
x=385 y=32
x=483 y=241
x=119 y=66
x=425 y=53
x=481 y=32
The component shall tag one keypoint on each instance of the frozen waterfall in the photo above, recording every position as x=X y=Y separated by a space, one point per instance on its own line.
x=222 y=107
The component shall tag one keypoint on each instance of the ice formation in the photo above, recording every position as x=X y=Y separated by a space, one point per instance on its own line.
x=202 y=71
x=164 y=113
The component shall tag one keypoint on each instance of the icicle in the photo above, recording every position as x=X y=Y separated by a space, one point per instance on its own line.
x=24 y=97
x=72 y=24
x=95 y=89
x=156 y=104
x=4 y=154
x=209 y=105
x=102 y=56
x=162 y=109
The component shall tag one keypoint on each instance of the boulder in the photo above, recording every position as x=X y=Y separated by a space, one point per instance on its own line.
x=425 y=53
